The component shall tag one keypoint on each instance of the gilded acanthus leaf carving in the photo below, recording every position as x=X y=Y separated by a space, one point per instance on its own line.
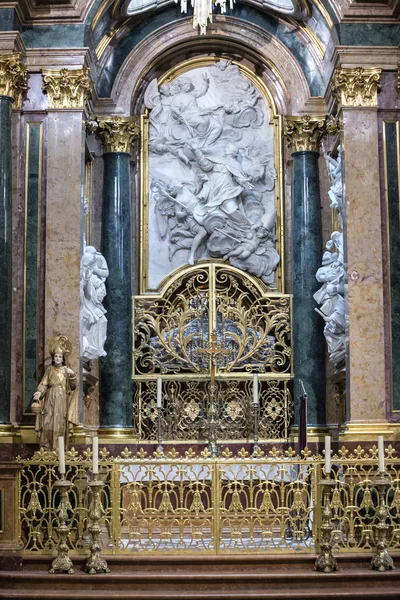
x=13 y=78
x=116 y=133
x=357 y=87
x=306 y=133
x=67 y=88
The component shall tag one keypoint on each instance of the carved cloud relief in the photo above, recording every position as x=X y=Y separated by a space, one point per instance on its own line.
x=211 y=173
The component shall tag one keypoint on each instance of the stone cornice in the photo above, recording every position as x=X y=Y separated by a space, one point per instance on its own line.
x=38 y=59
x=116 y=133
x=41 y=12
x=385 y=57
x=306 y=133
x=67 y=89
x=356 y=87
x=10 y=42
x=13 y=77
x=358 y=11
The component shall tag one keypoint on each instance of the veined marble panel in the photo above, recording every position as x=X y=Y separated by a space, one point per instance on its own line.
x=211 y=173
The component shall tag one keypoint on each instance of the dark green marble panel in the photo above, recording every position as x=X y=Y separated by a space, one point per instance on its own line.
x=116 y=367
x=32 y=257
x=368 y=34
x=6 y=19
x=54 y=36
x=393 y=213
x=246 y=13
x=308 y=338
x=5 y=257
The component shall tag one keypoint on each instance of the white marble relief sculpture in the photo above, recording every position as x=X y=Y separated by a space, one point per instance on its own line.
x=333 y=275
x=212 y=175
x=94 y=272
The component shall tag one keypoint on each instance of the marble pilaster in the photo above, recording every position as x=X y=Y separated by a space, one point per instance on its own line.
x=12 y=84
x=117 y=135
x=67 y=94
x=356 y=90
x=304 y=135
x=5 y=257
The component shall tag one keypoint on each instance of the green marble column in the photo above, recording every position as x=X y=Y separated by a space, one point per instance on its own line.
x=309 y=341
x=5 y=257
x=117 y=135
x=116 y=367
x=304 y=135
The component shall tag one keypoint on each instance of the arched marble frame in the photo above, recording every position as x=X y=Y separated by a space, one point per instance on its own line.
x=229 y=36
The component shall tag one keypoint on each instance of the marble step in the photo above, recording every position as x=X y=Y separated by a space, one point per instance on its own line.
x=277 y=584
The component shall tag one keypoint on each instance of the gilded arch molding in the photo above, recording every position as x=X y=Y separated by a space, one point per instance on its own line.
x=159 y=51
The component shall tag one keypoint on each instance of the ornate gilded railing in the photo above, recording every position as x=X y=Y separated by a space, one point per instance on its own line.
x=199 y=504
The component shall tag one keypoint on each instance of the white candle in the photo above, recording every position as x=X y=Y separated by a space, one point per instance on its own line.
x=327 y=455
x=95 y=450
x=381 y=454
x=255 y=388
x=159 y=392
x=61 y=455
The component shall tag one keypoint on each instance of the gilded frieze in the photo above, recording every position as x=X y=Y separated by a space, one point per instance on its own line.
x=67 y=89
x=13 y=77
x=116 y=133
x=306 y=133
x=357 y=87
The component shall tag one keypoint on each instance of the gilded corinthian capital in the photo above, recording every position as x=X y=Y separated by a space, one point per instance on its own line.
x=116 y=133
x=306 y=133
x=357 y=87
x=67 y=88
x=12 y=77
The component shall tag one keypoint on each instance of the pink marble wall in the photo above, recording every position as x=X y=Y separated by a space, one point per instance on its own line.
x=364 y=247
x=63 y=227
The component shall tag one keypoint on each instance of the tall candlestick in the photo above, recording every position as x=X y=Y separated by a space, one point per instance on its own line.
x=327 y=455
x=159 y=392
x=381 y=454
x=255 y=388
x=95 y=450
x=61 y=455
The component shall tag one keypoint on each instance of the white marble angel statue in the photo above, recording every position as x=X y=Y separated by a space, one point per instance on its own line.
x=94 y=272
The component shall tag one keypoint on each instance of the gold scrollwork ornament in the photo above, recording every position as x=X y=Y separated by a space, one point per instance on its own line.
x=68 y=89
x=357 y=87
x=306 y=133
x=13 y=77
x=116 y=133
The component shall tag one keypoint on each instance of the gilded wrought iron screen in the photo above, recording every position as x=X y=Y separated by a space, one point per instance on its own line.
x=212 y=321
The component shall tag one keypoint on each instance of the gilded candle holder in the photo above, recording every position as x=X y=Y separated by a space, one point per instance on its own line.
x=325 y=561
x=160 y=448
x=381 y=561
x=255 y=431
x=62 y=563
x=95 y=563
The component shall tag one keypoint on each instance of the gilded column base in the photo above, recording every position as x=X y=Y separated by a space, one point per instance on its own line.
x=122 y=435
x=314 y=434
x=366 y=432
x=9 y=434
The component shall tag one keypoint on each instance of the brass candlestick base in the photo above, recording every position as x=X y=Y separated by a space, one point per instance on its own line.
x=325 y=561
x=62 y=563
x=381 y=561
x=95 y=563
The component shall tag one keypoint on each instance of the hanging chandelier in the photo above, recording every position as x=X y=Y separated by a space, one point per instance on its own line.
x=203 y=11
